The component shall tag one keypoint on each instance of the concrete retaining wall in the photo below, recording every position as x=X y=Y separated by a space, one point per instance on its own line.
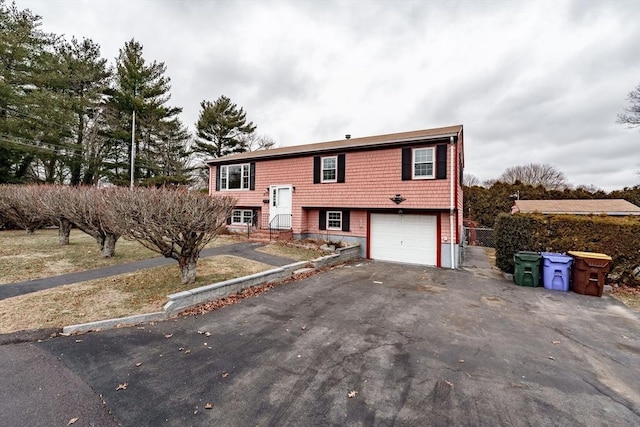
x=182 y=300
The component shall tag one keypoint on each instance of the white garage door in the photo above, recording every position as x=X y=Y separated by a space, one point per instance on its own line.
x=404 y=238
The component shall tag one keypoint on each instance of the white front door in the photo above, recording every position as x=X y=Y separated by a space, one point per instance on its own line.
x=280 y=206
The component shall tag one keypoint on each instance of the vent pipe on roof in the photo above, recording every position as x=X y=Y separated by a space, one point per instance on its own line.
x=348 y=136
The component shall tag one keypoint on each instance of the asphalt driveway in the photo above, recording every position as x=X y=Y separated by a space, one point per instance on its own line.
x=410 y=345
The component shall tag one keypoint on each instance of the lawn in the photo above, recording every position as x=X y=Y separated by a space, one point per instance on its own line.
x=33 y=256
x=29 y=256
x=144 y=291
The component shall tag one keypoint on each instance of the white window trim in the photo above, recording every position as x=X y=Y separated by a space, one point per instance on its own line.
x=242 y=212
x=329 y=214
x=433 y=163
x=224 y=176
x=322 y=169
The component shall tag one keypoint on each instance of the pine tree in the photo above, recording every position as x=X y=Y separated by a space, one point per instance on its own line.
x=222 y=128
x=23 y=67
x=85 y=77
x=142 y=88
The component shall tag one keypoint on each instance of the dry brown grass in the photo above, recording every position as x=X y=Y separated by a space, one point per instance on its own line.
x=33 y=256
x=135 y=293
x=291 y=251
x=629 y=296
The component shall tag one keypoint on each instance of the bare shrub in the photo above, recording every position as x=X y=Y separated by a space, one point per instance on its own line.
x=20 y=205
x=174 y=223
x=85 y=207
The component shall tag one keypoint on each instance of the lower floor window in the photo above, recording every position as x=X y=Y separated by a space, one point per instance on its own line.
x=242 y=216
x=334 y=220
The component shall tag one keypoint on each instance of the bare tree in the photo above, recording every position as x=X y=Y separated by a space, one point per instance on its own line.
x=535 y=174
x=175 y=223
x=86 y=208
x=631 y=115
x=19 y=204
x=470 y=180
x=48 y=199
x=259 y=142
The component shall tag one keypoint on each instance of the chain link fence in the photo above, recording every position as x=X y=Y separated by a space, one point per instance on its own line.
x=479 y=237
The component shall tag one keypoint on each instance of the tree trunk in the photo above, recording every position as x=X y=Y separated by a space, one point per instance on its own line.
x=187 y=270
x=64 y=229
x=109 y=245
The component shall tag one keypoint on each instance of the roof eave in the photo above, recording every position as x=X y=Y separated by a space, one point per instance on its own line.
x=264 y=154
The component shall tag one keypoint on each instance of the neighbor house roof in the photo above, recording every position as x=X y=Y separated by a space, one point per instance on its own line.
x=345 y=144
x=617 y=207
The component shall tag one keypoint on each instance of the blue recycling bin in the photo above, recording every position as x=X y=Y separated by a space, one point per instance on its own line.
x=556 y=270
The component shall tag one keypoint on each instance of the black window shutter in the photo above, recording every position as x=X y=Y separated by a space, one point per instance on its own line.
x=322 y=224
x=229 y=221
x=218 y=168
x=252 y=176
x=341 y=167
x=345 y=220
x=406 y=164
x=441 y=161
x=316 y=170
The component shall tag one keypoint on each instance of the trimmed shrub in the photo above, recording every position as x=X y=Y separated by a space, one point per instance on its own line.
x=617 y=237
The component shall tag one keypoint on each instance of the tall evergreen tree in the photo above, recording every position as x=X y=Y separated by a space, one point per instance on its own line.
x=141 y=88
x=85 y=78
x=23 y=56
x=222 y=128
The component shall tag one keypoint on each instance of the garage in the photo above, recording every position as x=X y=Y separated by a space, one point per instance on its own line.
x=403 y=238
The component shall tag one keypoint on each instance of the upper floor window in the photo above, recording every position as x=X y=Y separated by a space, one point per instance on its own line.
x=234 y=177
x=329 y=169
x=423 y=163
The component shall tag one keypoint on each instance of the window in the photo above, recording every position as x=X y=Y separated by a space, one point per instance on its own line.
x=234 y=177
x=423 y=163
x=334 y=220
x=329 y=169
x=242 y=216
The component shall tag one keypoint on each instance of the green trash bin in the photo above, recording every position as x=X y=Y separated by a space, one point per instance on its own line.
x=527 y=268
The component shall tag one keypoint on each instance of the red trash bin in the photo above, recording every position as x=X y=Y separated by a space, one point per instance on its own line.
x=589 y=272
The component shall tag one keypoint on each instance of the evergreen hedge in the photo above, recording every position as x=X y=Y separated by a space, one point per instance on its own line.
x=616 y=237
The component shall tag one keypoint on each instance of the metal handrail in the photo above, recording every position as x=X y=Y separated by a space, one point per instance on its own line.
x=280 y=222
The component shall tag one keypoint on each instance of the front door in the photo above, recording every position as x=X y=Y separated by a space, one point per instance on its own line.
x=280 y=206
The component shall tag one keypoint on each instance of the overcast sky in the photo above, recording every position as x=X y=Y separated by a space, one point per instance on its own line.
x=531 y=81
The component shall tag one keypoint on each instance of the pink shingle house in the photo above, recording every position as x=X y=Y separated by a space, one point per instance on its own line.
x=398 y=195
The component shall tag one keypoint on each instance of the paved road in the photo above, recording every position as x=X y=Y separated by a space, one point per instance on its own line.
x=411 y=345
x=244 y=250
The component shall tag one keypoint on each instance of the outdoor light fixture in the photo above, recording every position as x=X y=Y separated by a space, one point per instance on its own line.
x=397 y=199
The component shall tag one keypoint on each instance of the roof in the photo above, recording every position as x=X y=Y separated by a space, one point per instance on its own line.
x=345 y=144
x=614 y=207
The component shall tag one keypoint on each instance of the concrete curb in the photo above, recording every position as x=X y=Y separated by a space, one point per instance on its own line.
x=182 y=300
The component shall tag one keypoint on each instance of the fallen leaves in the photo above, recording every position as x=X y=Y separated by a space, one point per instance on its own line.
x=72 y=421
x=449 y=383
x=352 y=394
x=138 y=364
x=77 y=341
x=552 y=358
x=122 y=386
x=555 y=342
x=225 y=374
x=168 y=335
x=208 y=406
